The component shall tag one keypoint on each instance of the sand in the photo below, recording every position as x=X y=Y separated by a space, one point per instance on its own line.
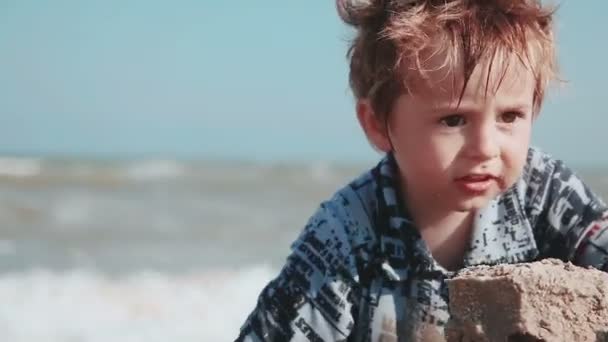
x=542 y=301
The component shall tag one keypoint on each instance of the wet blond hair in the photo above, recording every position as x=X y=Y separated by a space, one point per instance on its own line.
x=394 y=33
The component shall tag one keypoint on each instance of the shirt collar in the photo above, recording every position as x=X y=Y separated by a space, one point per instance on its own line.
x=500 y=233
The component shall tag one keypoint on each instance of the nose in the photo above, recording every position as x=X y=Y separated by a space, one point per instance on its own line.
x=483 y=142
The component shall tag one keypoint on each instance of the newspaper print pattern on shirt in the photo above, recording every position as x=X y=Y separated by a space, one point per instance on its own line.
x=361 y=272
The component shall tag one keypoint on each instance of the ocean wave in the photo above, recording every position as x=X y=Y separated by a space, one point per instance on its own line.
x=85 y=305
x=322 y=172
x=19 y=167
x=155 y=170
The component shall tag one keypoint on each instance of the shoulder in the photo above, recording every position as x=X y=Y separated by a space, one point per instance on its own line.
x=545 y=176
x=550 y=186
x=339 y=236
x=539 y=177
x=539 y=166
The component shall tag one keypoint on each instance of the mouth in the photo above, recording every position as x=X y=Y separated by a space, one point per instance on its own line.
x=477 y=183
x=477 y=177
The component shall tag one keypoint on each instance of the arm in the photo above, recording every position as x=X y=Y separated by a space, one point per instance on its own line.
x=312 y=297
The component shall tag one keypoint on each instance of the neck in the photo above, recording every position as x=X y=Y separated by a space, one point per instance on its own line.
x=435 y=216
x=445 y=231
x=437 y=220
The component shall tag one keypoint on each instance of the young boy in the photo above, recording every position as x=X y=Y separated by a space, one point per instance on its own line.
x=449 y=91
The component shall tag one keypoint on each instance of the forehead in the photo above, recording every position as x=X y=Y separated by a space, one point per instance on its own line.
x=440 y=77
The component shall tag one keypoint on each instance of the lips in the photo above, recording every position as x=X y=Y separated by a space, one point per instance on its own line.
x=476 y=183
x=476 y=177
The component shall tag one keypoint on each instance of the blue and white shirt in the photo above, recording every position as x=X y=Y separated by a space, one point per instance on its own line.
x=360 y=270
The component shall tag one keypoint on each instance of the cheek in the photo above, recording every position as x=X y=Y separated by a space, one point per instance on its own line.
x=433 y=155
x=428 y=166
x=521 y=138
x=424 y=155
x=442 y=152
x=516 y=152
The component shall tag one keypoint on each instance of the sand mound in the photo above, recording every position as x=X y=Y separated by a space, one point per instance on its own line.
x=542 y=301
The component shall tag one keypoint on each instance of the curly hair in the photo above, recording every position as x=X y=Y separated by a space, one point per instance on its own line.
x=394 y=33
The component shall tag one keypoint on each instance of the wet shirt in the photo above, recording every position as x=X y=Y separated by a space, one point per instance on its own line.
x=360 y=271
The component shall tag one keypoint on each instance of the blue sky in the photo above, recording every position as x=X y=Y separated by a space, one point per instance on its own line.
x=263 y=80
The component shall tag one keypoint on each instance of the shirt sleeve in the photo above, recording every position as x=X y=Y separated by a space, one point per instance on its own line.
x=571 y=222
x=312 y=297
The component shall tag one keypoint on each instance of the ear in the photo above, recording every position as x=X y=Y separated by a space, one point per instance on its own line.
x=374 y=128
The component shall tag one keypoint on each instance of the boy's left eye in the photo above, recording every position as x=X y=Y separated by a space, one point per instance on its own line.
x=510 y=117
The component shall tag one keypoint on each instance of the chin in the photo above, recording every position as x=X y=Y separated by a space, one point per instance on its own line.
x=473 y=204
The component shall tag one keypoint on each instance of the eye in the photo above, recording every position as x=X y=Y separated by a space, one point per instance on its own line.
x=510 y=117
x=453 y=120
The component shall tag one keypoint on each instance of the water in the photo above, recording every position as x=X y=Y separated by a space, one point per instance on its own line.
x=150 y=250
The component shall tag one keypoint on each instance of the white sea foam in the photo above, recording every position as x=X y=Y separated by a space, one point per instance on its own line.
x=322 y=172
x=155 y=170
x=19 y=167
x=70 y=211
x=88 y=306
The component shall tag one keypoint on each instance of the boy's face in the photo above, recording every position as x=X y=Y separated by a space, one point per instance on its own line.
x=458 y=157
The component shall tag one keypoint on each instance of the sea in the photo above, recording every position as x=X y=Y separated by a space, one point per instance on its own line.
x=152 y=250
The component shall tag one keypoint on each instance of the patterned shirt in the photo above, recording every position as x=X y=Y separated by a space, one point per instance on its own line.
x=360 y=270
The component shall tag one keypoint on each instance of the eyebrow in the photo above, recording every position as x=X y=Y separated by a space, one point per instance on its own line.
x=469 y=107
